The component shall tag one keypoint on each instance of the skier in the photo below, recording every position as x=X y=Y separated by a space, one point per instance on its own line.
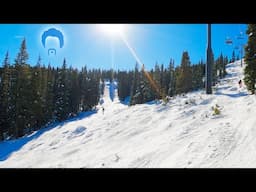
x=240 y=83
x=103 y=110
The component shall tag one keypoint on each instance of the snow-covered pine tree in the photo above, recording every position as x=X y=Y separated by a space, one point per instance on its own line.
x=250 y=59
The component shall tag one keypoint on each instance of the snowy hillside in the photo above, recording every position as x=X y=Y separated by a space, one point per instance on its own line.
x=183 y=133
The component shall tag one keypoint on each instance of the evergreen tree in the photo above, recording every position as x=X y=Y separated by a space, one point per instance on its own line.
x=162 y=78
x=74 y=99
x=37 y=96
x=83 y=88
x=22 y=56
x=138 y=97
x=250 y=59
x=124 y=84
x=184 y=79
x=5 y=97
x=147 y=88
x=215 y=68
x=32 y=97
x=92 y=92
x=163 y=84
x=237 y=57
x=225 y=63
x=135 y=85
x=233 y=59
x=222 y=66
x=157 y=79
x=172 y=82
x=61 y=94
x=21 y=91
x=48 y=99
x=197 y=76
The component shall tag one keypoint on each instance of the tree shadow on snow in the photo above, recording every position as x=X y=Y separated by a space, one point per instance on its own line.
x=235 y=95
x=8 y=147
x=126 y=101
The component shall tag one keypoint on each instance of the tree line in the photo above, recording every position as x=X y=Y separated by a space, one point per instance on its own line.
x=250 y=59
x=143 y=86
x=32 y=97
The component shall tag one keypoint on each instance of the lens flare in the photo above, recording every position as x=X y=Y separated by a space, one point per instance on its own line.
x=150 y=79
x=117 y=30
x=112 y=29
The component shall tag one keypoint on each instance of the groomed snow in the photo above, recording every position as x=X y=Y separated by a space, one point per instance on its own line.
x=183 y=133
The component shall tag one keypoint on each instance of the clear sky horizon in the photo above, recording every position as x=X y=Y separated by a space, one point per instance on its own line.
x=87 y=44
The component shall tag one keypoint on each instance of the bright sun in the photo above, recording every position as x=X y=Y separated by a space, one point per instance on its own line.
x=112 y=29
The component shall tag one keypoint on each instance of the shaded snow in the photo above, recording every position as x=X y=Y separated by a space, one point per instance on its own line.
x=183 y=133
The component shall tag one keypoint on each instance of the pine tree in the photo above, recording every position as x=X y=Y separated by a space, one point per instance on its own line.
x=21 y=91
x=31 y=97
x=74 y=99
x=134 y=85
x=48 y=100
x=250 y=59
x=222 y=66
x=184 y=79
x=233 y=59
x=22 y=56
x=225 y=63
x=237 y=57
x=147 y=88
x=5 y=97
x=89 y=82
x=197 y=76
x=124 y=84
x=92 y=92
x=172 y=82
x=140 y=88
x=61 y=93
x=162 y=79
x=157 y=79
x=83 y=88
x=166 y=81
x=214 y=70
x=36 y=102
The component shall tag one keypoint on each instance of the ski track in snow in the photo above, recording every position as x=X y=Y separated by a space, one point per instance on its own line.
x=184 y=133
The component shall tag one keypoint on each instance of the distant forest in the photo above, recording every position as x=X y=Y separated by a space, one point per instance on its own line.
x=32 y=97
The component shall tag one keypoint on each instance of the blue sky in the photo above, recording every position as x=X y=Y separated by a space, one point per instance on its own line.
x=86 y=44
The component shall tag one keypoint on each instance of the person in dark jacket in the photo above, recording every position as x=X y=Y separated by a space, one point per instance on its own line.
x=240 y=83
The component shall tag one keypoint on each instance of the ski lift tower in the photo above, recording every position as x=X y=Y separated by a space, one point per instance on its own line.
x=209 y=62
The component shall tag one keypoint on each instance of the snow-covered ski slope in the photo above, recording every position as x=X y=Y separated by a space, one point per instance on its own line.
x=183 y=133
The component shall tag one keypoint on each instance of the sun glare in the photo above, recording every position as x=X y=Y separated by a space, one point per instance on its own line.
x=112 y=29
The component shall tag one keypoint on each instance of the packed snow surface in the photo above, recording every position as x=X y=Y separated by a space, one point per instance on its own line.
x=183 y=133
